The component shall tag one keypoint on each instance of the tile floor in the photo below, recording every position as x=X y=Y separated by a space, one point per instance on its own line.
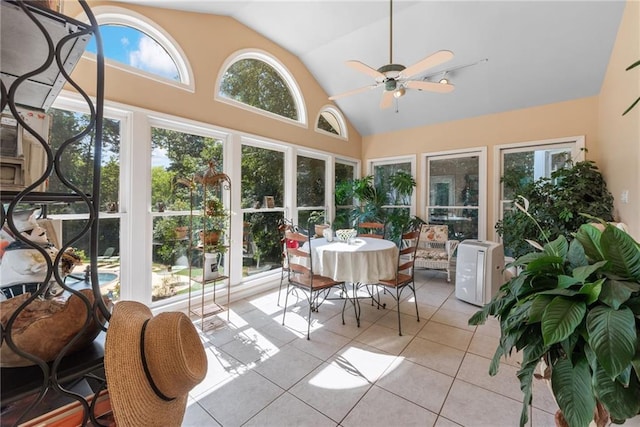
x=264 y=374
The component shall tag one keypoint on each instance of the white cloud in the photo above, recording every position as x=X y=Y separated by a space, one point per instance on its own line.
x=124 y=41
x=150 y=56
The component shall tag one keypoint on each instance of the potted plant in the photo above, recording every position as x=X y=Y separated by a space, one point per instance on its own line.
x=318 y=219
x=554 y=201
x=575 y=305
x=215 y=221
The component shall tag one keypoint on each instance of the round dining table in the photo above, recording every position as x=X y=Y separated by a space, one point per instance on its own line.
x=363 y=260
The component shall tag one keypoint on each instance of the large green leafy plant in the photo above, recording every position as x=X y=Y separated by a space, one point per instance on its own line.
x=576 y=306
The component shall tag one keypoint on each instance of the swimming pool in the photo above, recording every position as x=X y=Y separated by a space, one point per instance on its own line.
x=104 y=278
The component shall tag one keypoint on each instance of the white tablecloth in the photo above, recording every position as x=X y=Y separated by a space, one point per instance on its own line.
x=367 y=260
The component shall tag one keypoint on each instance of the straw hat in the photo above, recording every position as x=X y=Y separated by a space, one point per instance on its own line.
x=151 y=363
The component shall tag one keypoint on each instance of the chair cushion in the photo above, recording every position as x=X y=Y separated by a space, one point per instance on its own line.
x=434 y=254
x=434 y=233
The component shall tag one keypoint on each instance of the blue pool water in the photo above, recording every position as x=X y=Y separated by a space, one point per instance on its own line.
x=103 y=279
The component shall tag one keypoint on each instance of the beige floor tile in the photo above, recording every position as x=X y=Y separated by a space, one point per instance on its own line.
x=470 y=405
x=288 y=411
x=445 y=334
x=381 y=408
x=196 y=416
x=288 y=366
x=425 y=310
x=433 y=355
x=453 y=318
x=491 y=328
x=350 y=328
x=237 y=401
x=385 y=339
x=331 y=390
x=444 y=422
x=543 y=397
x=410 y=324
x=323 y=343
x=541 y=418
x=454 y=304
x=362 y=360
x=221 y=368
x=251 y=346
x=420 y=385
x=475 y=370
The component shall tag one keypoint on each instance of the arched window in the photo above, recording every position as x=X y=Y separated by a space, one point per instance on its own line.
x=330 y=120
x=139 y=44
x=256 y=79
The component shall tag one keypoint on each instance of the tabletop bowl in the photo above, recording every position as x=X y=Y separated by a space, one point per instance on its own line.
x=345 y=234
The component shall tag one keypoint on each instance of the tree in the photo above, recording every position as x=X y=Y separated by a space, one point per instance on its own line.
x=258 y=84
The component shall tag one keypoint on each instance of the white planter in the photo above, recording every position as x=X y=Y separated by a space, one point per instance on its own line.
x=211 y=266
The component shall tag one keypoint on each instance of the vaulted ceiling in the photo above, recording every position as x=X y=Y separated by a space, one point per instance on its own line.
x=508 y=54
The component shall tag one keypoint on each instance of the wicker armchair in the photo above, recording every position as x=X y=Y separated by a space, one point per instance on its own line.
x=435 y=249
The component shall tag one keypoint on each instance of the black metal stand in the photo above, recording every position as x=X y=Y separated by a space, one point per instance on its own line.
x=24 y=74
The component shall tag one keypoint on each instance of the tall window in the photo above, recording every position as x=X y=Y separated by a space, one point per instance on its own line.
x=138 y=43
x=175 y=158
x=345 y=173
x=383 y=172
x=522 y=164
x=262 y=203
x=257 y=80
x=311 y=178
x=454 y=194
x=77 y=164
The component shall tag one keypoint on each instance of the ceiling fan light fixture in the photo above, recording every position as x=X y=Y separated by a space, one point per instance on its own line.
x=399 y=92
x=444 y=81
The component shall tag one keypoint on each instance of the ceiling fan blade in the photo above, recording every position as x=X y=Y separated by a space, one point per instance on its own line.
x=430 y=86
x=353 y=92
x=437 y=58
x=364 y=68
x=387 y=99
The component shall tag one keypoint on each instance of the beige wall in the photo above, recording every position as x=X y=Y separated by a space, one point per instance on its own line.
x=565 y=119
x=216 y=38
x=618 y=136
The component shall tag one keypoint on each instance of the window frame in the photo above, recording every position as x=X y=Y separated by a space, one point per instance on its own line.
x=114 y=15
x=481 y=152
x=342 y=124
x=284 y=73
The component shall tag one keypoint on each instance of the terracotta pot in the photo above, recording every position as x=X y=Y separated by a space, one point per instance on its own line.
x=209 y=237
x=319 y=228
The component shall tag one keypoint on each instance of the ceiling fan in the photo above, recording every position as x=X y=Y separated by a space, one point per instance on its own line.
x=396 y=78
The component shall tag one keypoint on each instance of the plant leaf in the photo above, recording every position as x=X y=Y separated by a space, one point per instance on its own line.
x=635 y=64
x=583 y=273
x=571 y=385
x=561 y=318
x=616 y=292
x=576 y=255
x=621 y=402
x=567 y=281
x=589 y=237
x=558 y=247
x=631 y=106
x=538 y=306
x=592 y=291
x=612 y=336
x=547 y=263
x=622 y=252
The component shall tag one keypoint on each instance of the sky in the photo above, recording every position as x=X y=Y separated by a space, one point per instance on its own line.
x=134 y=48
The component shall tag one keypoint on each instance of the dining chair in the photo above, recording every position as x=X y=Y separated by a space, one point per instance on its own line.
x=300 y=274
x=371 y=229
x=404 y=277
x=283 y=225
